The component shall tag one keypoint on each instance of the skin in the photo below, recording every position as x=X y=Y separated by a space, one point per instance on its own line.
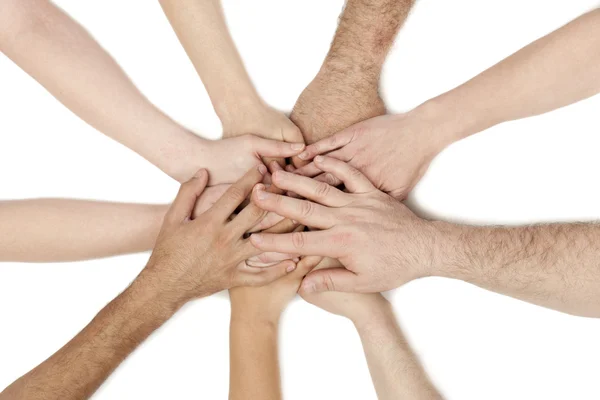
x=395 y=370
x=553 y=265
x=255 y=316
x=193 y=258
x=57 y=52
x=201 y=29
x=346 y=89
x=56 y=230
x=394 y=151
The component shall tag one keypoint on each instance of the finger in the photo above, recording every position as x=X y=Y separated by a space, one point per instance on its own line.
x=269 y=221
x=274 y=166
x=309 y=170
x=332 y=279
x=253 y=216
x=309 y=263
x=285 y=226
x=303 y=211
x=184 y=203
x=328 y=178
x=326 y=145
x=266 y=275
x=290 y=168
x=269 y=258
x=321 y=192
x=353 y=179
x=275 y=148
x=208 y=198
x=318 y=243
x=237 y=193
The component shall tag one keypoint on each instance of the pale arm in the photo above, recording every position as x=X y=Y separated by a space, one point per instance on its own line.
x=55 y=230
x=61 y=55
x=77 y=370
x=395 y=370
x=201 y=28
x=557 y=70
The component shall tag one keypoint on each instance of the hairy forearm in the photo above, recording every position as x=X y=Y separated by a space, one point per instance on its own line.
x=395 y=370
x=57 y=52
x=254 y=363
x=557 y=70
x=365 y=34
x=555 y=266
x=201 y=29
x=77 y=370
x=55 y=230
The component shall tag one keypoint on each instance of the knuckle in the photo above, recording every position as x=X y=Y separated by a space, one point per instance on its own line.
x=322 y=189
x=306 y=209
x=298 y=239
x=235 y=193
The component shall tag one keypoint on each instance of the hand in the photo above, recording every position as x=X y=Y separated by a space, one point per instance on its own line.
x=195 y=257
x=380 y=242
x=261 y=120
x=335 y=100
x=266 y=303
x=226 y=160
x=393 y=151
x=357 y=307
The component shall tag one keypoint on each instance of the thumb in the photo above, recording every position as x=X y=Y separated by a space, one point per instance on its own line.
x=275 y=148
x=331 y=279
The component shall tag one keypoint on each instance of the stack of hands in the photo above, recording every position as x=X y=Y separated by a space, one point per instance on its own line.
x=325 y=219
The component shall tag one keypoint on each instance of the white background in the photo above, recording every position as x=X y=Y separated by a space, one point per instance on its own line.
x=475 y=344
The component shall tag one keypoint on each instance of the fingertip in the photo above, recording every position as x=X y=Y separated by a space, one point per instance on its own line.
x=290 y=267
x=308 y=286
x=262 y=169
x=319 y=159
x=256 y=239
x=201 y=173
x=297 y=146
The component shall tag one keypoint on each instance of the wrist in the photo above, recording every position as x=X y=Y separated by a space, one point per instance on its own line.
x=379 y=315
x=150 y=299
x=449 y=260
x=183 y=154
x=454 y=119
x=236 y=108
x=255 y=320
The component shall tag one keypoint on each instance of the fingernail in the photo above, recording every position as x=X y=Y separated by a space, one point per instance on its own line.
x=262 y=195
x=256 y=238
x=262 y=169
x=303 y=155
x=259 y=187
x=291 y=268
x=200 y=173
x=297 y=146
x=294 y=221
x=297 y=259
x=319 y=159
x=278 y=176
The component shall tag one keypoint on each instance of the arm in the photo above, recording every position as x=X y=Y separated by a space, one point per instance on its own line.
x=395 y=150
x=78 y=369
x=201 y=28
x=253 y=335
x=193 y=257
x=554 y=266
x=55 y=230
x=346 y=89
x=65 y=59
x=395 y=370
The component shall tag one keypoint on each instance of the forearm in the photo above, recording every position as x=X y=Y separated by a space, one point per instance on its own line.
x=395 y=370
x=554 y=71
x=77 y=370
x=254 y=363
x=57 y=52
x=555 y=266
x=365 y=34
x=55 y=230
x=201 y=29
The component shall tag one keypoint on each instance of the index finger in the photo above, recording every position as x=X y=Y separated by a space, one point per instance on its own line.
x=316 y=243
x=238 y=192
